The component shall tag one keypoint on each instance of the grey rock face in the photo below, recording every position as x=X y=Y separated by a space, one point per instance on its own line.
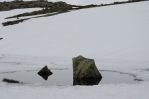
x=85 y=68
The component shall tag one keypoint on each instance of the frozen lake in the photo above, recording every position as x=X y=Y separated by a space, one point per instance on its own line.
x=65 y=77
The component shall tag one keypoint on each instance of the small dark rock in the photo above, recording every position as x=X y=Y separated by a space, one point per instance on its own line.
x=10 y=80
x=45 y=72
x=1 y=38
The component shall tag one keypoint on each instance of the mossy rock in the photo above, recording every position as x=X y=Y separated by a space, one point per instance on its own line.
x=84 y=68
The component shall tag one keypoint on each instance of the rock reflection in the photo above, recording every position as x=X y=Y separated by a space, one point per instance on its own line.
x=86 y=81
x=45 y=77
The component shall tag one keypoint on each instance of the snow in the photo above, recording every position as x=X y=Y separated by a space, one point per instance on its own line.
x=109 y=41
x=138 y=91
x=115 y=36
x=79 y=2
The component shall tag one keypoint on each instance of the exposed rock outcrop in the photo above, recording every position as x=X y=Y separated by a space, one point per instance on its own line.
x=5 y=6
x=13 y=22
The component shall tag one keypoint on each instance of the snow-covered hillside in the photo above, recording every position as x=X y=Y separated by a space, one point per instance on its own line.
x=115 y=36
x=114 y=32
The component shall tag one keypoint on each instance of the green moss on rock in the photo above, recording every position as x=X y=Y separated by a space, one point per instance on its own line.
x=85 y=68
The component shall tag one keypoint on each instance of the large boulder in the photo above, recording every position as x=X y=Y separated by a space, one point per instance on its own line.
x=45 y=72
x=84 y=68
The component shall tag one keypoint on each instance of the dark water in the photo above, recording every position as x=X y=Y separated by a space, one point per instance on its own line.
x=65 y=77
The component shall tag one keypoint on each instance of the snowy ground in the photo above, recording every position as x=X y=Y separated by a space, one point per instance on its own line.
x=115 y=36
